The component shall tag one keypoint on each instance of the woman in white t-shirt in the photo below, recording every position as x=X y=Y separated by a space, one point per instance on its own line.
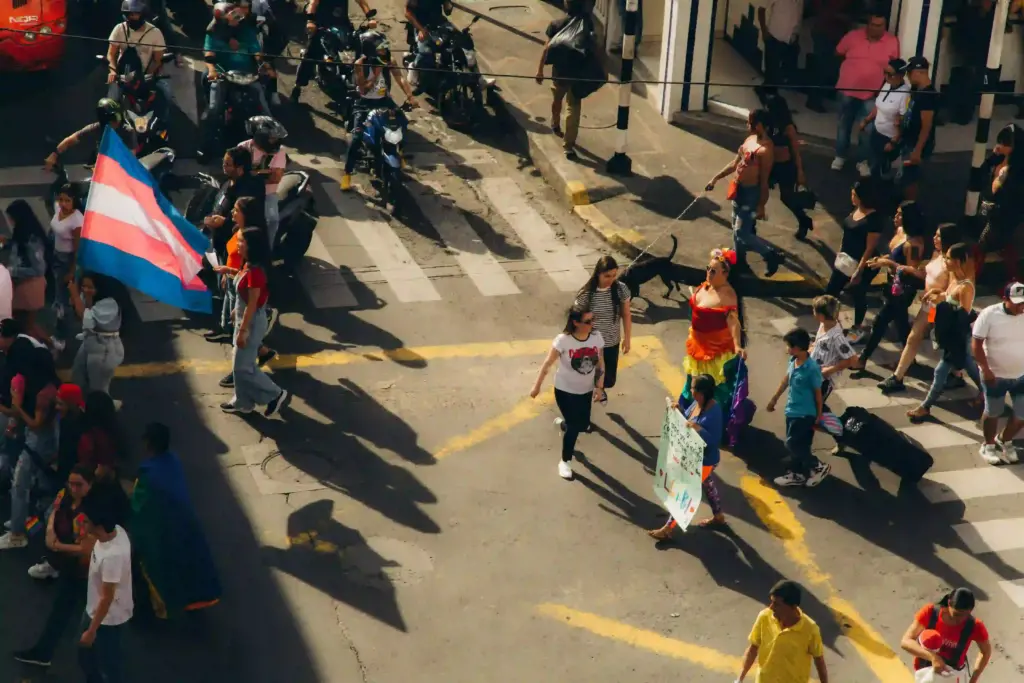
x=65 y=231
x=579 y=378
x=890 y=106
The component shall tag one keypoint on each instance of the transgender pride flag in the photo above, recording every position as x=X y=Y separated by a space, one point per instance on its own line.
x=133 y=233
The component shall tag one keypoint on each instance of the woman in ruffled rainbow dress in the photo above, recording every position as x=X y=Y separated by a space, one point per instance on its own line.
x=715 y=344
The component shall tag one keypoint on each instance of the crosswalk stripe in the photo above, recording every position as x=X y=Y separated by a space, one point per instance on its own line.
x=937 y=435
x=560 y=263
x=471 y=253
x=871 y=398
x=1015 y=591
x=992 y=536
x=392 y=259
x=320 y=275
x=978 y=482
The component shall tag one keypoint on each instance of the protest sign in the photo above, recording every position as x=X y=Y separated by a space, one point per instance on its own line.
x=677 y=478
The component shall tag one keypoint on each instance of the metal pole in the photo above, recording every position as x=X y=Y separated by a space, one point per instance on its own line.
x=620 y=163
x=989 y=84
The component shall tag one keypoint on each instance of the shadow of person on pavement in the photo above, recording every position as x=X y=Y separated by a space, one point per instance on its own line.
x=619 y=500
x=336 y=560
x=647 y=455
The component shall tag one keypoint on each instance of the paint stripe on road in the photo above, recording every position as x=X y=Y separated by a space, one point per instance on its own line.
x=704 y=657
x=319 y=274
x=935 y=435
x=392 y=259
x=470 y=251
x=978 y=482
x=1015 y=590
x=993 y=536
x=16 y=176
x=554 y=256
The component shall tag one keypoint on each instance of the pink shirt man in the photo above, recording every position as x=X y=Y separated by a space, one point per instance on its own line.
x=864 y=62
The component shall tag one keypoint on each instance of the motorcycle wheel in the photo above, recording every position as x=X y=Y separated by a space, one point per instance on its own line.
x=297 y=239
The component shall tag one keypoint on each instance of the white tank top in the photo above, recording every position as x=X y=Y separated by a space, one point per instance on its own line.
x=380 y=87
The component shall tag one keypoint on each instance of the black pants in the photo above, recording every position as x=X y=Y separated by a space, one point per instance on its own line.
x=611 y=365
x=779 y=61
x=575 y=409
x=859 y=292
x=315 y=52
x=67 y=607
x=894 y=310
x=785 y=176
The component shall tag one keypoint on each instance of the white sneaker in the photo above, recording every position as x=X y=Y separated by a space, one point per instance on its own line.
x=10 y=542
x=58 y=345
x=564 y=471
x=560 y=424
x=838 y=163
x=818 y=474
x=864 y=169
x=1009 y=455
x=791 y=479
x=990 y=453
x=43 y=571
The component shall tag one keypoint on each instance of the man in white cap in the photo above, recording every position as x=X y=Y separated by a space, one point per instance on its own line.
x=1000 y=354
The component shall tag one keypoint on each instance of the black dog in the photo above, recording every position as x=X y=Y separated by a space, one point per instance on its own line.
x=651 y=267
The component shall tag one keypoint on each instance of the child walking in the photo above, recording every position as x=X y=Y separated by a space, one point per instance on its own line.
x=803 y=380
x=831 y=349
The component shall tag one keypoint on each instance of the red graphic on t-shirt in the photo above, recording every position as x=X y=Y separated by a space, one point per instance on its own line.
x=584 y=360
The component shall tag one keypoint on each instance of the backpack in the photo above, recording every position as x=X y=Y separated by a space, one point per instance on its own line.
x=130 y=61
x=961 y=647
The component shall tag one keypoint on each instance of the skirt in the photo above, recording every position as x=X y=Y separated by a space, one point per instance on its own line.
x=29 y=294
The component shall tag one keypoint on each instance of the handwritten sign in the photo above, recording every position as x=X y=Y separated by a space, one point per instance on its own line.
x=677 y=478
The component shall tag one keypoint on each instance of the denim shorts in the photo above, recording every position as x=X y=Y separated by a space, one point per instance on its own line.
x=995 y=396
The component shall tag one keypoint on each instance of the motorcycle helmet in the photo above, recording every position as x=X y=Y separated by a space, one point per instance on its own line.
x=130 y=7
x=375 y=46
x=267 y=132
x=108 y=112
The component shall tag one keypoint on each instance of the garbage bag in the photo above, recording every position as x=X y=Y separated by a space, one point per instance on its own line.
x=595 y=77
x=568 y=49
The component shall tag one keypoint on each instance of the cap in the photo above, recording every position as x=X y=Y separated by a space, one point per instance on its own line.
x=930 y=639
x=1014 y=293
x=915 y=63
x=71 y=393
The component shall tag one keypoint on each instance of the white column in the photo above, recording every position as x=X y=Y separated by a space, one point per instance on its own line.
x=919 y=29
x=687 y=37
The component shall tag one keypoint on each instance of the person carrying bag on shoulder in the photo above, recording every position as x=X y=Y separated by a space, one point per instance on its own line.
x=940 y=636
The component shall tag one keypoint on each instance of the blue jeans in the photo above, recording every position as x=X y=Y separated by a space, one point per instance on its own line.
x=227 y=309
x=162 y=104
x=273 y=216
x=101 y=663
x=61 y=296
x=214 y=114
x=995 y=397
x=97 y=360
x=744 y=219
x=252 y=387
x=799 y=437
x=941 y=375
x=851 y=112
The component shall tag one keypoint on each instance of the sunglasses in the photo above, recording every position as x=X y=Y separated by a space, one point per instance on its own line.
x=587 y=321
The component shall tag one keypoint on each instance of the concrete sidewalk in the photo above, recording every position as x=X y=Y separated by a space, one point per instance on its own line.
x=671 y=166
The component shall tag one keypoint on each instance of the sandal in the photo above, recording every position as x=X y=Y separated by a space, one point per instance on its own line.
x=662 y=534
x=711 y=522
x=919 y=414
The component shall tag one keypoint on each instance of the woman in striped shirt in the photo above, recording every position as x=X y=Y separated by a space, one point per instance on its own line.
x=608 y=299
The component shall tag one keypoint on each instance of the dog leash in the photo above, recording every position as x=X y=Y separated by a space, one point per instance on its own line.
x=667 y=229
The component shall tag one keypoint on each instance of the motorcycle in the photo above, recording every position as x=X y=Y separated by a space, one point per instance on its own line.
x=381 y=153
x=334 y=72
x=241 y=105
x=456 y=83
x=138 y=95
x=297 y=210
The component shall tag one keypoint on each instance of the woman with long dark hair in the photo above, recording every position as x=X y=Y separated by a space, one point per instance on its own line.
x=861 y=231
x=252 y=387
x=788 y=169
x=608 y=299
x=579 y=379
x=705 y=415
x=905 y=252
x=952 y=617
x=28 y=262
x=102 y=351
x=1002 y=199
x=65 y=232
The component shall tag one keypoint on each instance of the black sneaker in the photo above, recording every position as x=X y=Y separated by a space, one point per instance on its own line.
x=271 y=319
x=296 y=94
x=892 y=385
x=217 y=336
x=773 y=261
x=230 y=407
x=274 y=406
x=571 y=155
x=32 y=657
x=266 y=357
x=227 y=381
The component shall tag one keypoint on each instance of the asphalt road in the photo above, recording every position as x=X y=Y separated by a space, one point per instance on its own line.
x=403 y=520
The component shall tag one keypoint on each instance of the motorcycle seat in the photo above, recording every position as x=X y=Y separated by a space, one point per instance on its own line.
x=290 y=185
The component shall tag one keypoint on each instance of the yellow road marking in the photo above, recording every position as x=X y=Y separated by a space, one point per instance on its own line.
x=328 y=358
x=704 y=657
x=779 y=519
x=529 y=408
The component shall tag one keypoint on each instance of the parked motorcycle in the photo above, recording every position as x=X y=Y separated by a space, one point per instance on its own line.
x=455 y=82
x=297 y=209
x=334 y=72
x=381 y=153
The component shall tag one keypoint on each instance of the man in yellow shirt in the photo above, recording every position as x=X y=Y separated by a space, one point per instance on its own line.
x=784 y=640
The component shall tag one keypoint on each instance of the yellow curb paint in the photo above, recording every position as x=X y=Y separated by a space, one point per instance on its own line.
x=328 y=358
x=529 y=408
x=778 y=518
x=597 y=220
x=786 y=276
x=671 y=376
x=577 y=192
x=704 y=657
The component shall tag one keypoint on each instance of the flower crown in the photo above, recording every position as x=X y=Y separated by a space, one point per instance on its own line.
x=727 y=256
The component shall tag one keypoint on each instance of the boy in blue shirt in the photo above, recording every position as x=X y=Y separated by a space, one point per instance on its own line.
x=803 y=410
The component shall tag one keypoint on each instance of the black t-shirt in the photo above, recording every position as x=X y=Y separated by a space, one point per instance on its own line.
x=246 y=186
x=855 y=233
x=921 y=100
x=332 y=12
x=427 y=12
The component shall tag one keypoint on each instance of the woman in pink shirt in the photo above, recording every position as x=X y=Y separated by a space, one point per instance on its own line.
x=865 y=53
